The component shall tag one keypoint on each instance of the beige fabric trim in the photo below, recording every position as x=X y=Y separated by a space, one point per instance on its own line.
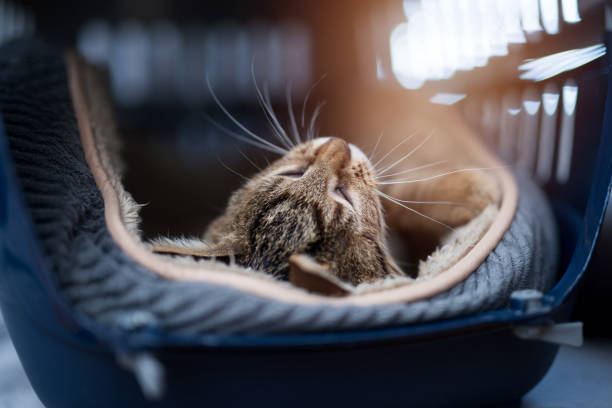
x=224 y=275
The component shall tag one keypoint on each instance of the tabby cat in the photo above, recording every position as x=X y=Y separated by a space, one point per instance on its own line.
x=318 y=208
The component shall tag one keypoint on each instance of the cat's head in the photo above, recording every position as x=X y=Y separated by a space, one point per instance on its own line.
x=315 y=207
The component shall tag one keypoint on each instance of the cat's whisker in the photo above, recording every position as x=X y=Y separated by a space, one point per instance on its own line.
x=276 y=148
x=282 y=130
x=395 y=163
x=294 y=128
x=267 y=146
x=373 y=152
x=379 y=161
x=312 y=87
x=408 y=181
x=412 y=169
x=249 y=160
x=313 y=120
x=398 y=202
x=269 y=112
x=232 y=170
x=452 y=203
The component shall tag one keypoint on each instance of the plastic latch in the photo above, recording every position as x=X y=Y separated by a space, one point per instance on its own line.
x=149 y=373
x=564 y=334
x=526 y=300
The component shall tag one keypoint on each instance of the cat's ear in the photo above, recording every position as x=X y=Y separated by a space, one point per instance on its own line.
x=194 y=247
x=305 y=272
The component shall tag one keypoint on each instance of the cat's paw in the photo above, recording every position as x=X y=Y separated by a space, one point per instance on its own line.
x=306 y=273
x=452 y=200
x=473 y=191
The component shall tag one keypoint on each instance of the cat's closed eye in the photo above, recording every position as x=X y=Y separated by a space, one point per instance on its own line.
x=294 y=173
x=343 y=193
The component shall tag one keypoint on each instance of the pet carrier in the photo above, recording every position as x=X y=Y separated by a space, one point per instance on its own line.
x=94 y=327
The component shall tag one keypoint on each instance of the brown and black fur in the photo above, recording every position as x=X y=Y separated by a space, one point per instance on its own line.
x=280 y=212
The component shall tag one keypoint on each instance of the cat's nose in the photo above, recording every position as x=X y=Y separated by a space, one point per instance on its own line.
x=334 y=153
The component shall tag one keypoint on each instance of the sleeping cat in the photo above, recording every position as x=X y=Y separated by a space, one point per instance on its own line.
x=317 y=208
x=319 y=201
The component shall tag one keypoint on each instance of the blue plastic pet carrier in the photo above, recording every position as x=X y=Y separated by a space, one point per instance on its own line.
x=488 y=358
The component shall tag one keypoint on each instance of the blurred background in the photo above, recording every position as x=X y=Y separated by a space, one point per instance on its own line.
x=528 y=75
x=513 y=68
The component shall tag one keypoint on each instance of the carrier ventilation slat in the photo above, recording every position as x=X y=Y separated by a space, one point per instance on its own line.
x=534 y=130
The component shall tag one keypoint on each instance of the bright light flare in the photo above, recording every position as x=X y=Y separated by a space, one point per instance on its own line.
x=405 y=58
x=531 y=107
x=570 y=95
x=548 y=131
x=550 y=101
x=411 y=7
x=528 y=131
x=550 y=16
x=441 y=37
x=570 y=11
x=511 y=16
x=530 y=15
x=446 y=98
x=551 y=65
x=566 y=138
